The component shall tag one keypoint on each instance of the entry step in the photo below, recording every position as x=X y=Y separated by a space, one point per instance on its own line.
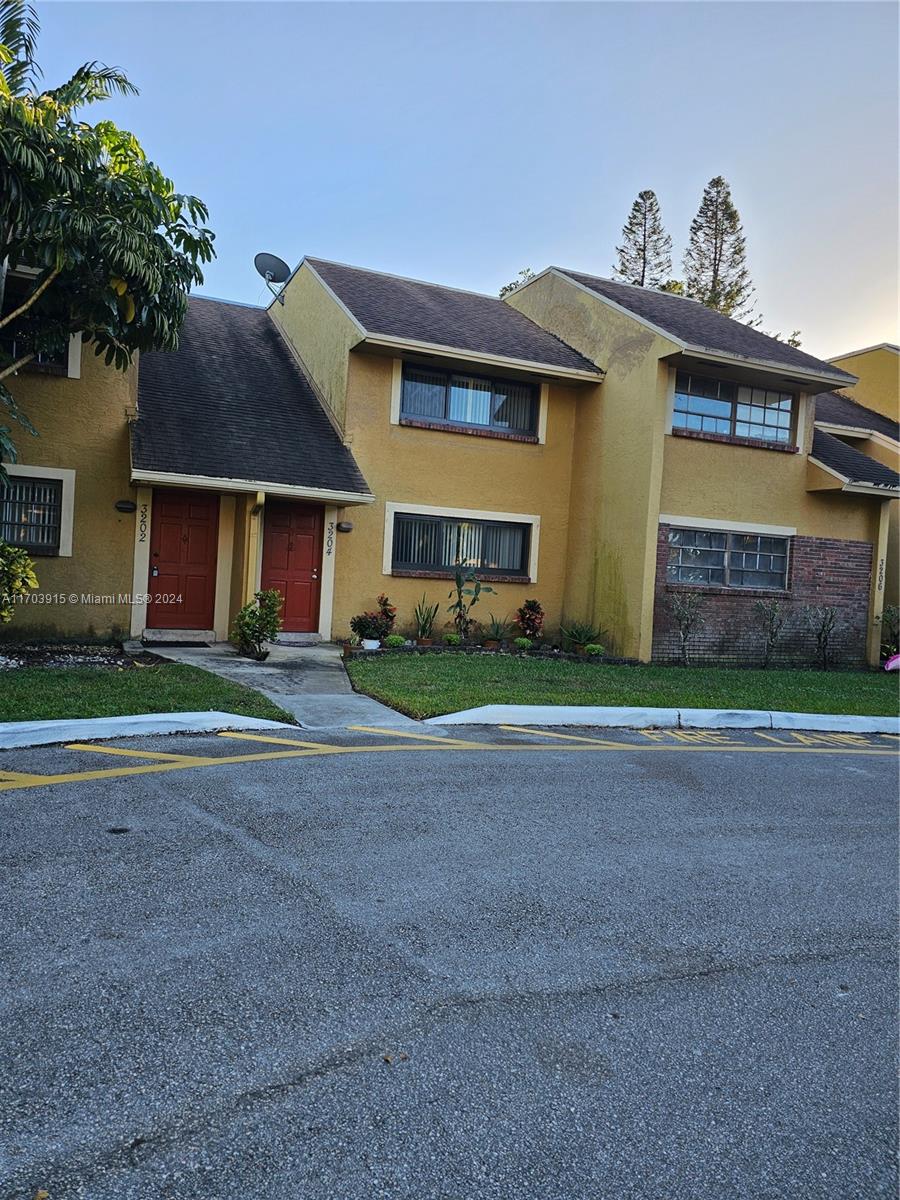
x=178 y=637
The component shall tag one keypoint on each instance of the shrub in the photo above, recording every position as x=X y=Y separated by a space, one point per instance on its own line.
x=452 y=639
x=890 y=630
x=686 y=609
x=773 y=618
x=393 y=640
x=16 y=578
x=257 y=623
x=822 y=621
x=530 y=619
x=579 y=633
x=593 y=649
x=424 y=616
x=523 y=643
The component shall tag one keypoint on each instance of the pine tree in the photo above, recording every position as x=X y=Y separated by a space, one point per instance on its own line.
x=715 y=262
x=645 y=256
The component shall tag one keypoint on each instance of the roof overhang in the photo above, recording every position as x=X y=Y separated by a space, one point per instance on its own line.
x=385 y=344
x=780 y=374
x=212 y=483
x=835 y=481
x=860 y=432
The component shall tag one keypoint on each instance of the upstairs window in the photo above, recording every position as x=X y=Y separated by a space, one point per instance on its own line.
x=720 y=559
x=469 y=400
x=719 y=406
x=31 y=514
x=15 y=340
x=441 y=544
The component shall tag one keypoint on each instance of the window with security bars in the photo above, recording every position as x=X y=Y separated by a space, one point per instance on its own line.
x=30 y=514
x=444 y=543
x=17 y=341
x=502 y=404
x=720 y=559
x=719 y=406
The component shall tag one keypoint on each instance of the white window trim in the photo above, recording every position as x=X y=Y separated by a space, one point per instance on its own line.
x=66 y=477
x=397 y=397
x=73 y=370
x=708 y=523
x=392 y=507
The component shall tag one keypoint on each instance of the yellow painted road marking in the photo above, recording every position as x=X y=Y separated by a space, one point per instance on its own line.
x=14 y=780
x=420 y=737
x=91 y=748
x=263 y=737
x=569 y=737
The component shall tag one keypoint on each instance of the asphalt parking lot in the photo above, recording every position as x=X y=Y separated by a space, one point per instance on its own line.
x=498 y=964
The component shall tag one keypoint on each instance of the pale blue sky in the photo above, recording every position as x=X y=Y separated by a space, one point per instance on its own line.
x=460 y=142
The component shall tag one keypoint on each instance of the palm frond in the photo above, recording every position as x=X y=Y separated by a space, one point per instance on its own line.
x=19 y=29
x=92 y=81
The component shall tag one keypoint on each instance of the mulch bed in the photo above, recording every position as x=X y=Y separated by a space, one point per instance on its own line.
x=44 y=654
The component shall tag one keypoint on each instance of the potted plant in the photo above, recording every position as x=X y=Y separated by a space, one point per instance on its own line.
x=496 y=632
x=424 y=617
x=371 y=627
x=579 y=634
x=349 y=645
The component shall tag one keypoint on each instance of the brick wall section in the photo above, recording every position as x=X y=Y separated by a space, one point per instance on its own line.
x=821 y=571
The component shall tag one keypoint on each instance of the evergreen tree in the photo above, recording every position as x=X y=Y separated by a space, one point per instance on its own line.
x=645 y=256
x=715 y=262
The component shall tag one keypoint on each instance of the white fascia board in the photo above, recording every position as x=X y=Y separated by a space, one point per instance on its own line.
x=727 y=526
x=863 y=489
x=209 y=482
x=803 y=374
x=388 y=342
x=865 y=350
x=860 y=432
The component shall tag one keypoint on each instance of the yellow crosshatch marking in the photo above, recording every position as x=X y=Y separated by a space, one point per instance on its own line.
x=688 y=741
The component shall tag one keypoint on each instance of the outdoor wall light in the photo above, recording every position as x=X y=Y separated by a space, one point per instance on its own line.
x=345 y=526
x=126 y=506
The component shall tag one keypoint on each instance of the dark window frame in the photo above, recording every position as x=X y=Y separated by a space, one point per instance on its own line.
x=697 y=388
x=8 y=515
x=440 y=568
x=14 y=345
x=734 y=561
x=496 y=384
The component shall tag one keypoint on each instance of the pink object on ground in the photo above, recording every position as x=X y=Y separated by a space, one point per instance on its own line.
x=893 y=663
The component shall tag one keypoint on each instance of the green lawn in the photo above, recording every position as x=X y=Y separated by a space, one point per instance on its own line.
x=48 y=693
x=429 y=685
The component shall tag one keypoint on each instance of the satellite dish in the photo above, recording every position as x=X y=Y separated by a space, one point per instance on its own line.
x=273 y=270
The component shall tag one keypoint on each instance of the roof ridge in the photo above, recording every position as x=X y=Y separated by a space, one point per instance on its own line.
x=223 y=300
x=621 y=283
x=444 y=287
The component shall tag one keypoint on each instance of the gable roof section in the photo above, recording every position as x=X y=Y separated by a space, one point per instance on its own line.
x=232 y=403
x=411 y=311
x=852 y=466
x=697 y=327
x=836 y=409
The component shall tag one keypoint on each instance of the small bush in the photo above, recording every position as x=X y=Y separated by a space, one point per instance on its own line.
x=452 y=639
x=257 y=623
x=530 y=619
x=578 y=633
x=522 y=643
x=16 y=578
x=593 y=649
x=376 y=625
x=393 y=640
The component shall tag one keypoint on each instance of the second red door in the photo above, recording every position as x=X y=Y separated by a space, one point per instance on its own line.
x=292 y=557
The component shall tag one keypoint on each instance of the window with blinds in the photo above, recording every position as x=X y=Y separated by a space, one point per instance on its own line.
x=443 y=543
x=31 y=513
x=470 y=400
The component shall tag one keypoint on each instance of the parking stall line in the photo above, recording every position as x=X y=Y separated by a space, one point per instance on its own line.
x=92 y=748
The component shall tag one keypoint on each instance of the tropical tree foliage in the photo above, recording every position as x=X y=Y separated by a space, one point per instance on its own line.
x=645 y=256
x=715 y=262
x=108 y=247
x=525 y=276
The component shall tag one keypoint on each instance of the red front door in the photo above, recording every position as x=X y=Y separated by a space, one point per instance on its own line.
x=292 y=556
x=184 y=532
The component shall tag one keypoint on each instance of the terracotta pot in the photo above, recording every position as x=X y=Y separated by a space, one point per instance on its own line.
x=346 y=650
x=580 y=650
x=490 y=644
x=424 y=641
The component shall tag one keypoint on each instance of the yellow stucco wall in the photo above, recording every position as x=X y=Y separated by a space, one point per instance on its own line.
x=449 y=470
x=321 y=333
x=617 y=463
x=879 y=379
x=83 y=426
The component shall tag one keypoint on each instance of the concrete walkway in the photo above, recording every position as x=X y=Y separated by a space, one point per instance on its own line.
x=308 y=681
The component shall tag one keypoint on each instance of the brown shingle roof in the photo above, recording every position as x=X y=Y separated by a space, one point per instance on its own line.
x=699 y=327
x=392 y=306
x=232 y=403
x=854 y=466
x=841 y=410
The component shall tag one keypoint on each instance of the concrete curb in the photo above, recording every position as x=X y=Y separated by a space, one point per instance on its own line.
x=17 y=734
x=664 y=718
